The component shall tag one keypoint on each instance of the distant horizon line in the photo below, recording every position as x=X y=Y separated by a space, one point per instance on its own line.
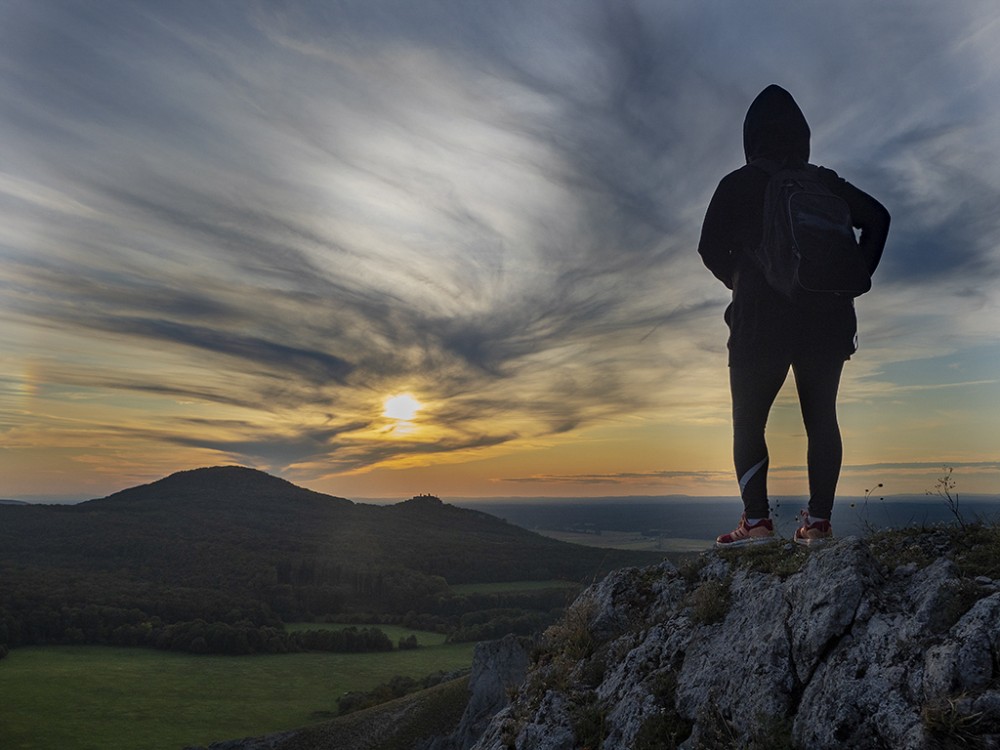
x=474 y=499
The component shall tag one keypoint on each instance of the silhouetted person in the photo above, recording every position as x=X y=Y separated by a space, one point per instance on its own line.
x=768 y=333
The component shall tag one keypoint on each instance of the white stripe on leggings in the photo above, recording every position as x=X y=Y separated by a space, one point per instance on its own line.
x=745 y=479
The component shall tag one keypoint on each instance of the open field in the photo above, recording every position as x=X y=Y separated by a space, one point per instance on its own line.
x=498 y=588
x=628 y=540
x=103 y=698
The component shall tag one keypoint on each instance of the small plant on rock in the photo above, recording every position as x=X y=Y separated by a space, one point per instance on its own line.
x=715 y=731
x=900 y=547
x=666 y=729
x=662 y=731
x=588 y=719
x=690 y=568
x=710 y=602
x=952 y=724
x=774 y=558
x=572 y=633
x=863 y=512
x=945 y=489
x=963 y=596
x=977 y=550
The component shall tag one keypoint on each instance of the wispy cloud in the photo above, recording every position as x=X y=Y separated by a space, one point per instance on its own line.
x=269 y=218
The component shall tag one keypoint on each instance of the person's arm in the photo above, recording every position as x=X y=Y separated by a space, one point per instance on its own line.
x=719 y=243
x=867 y=214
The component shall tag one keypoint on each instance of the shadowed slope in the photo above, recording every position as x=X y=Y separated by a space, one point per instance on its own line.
x=230 y=534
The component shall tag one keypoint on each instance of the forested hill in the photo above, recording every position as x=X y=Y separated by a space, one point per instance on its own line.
x=222 y=487
x=222 y=542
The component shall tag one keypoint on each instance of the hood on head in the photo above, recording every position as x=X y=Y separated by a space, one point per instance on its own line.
x=775 y=128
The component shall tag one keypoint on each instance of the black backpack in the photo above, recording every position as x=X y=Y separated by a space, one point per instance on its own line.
x=808 y=252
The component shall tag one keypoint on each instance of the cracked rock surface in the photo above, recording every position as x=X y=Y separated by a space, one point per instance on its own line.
x=830 y=649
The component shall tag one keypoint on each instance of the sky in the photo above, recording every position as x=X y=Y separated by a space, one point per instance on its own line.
x=385 y=248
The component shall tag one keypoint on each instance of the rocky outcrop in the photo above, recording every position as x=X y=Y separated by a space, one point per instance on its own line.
x=774 y=647
x=498 y=667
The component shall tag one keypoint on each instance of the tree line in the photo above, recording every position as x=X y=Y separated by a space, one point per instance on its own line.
x=60 y=606
x=256 y=629
x=243 y=553
x=119 y=627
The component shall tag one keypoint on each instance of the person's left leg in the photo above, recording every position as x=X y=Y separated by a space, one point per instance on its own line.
x=817 y=381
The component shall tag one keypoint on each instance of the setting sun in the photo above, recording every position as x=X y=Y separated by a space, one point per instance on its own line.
x=488 y=251
x=403 y=407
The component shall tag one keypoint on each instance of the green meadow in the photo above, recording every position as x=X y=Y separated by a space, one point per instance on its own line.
x=511 y=586
x=104 y=698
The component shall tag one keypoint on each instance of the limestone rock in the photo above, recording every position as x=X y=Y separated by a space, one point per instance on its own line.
x=497 y=668
x=843 y=652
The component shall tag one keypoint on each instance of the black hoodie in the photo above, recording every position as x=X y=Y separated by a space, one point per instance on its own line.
x=762 y=323
x=775 y=128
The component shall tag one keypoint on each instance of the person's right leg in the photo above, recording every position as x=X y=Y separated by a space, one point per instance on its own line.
x=753 y=391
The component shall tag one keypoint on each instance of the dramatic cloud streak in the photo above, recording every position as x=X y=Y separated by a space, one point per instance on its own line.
x=231 y=230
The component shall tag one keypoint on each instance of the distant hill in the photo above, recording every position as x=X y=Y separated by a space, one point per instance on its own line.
x=12 y=502
x=230 y=542
x=234 y=488
x=243 y=510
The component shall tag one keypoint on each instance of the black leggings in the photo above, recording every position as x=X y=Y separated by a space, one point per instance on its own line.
x=754 y=390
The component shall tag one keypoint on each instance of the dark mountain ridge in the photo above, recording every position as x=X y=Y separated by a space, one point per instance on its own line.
x=233 y=506
x=230 y=486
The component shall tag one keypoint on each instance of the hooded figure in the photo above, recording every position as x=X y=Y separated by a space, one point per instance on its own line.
x=768 y=334
x=775 y=128
x=761 y=321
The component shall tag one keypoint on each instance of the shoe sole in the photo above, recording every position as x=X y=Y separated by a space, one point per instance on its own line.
x=744 y=542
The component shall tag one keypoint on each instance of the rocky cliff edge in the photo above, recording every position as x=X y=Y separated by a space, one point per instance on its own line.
x=888 y=643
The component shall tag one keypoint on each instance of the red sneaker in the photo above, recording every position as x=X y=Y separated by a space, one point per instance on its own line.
x=817 y=532
x=762 y=531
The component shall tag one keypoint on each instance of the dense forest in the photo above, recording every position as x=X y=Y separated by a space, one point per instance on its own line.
x=217 y=559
